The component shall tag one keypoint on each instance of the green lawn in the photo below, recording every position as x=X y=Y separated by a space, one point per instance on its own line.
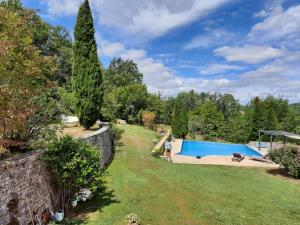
x=170 y=194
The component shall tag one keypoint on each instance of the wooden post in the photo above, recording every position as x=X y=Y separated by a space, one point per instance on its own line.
x=259 y=144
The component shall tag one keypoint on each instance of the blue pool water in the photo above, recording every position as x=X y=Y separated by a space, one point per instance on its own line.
x=200 y=148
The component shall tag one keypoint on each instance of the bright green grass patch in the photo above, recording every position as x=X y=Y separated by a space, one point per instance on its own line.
x=171 y=194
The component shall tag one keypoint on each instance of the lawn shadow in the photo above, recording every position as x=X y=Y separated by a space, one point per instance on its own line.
x=73 y=222
x=103 y=197
x=281 y=172
x=119 y=144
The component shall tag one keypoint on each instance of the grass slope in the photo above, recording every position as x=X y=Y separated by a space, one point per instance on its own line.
x=170 y=194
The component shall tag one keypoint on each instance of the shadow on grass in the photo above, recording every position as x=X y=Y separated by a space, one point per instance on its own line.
x=73 y=222
x=281 y=172
x=119 y=144
x=103 y=197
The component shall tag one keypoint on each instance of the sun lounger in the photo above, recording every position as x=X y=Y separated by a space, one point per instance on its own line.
x=237 y=157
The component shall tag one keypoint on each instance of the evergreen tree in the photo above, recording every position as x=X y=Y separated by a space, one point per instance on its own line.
x=175 y=122
x=271 y=122
x=179 y=122
x=87 y=72
x=184 y=120
x=258 y=116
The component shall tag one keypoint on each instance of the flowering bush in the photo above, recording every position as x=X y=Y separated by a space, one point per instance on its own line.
x=289 y=158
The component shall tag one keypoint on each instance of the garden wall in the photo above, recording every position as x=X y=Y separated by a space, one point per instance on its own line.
x=26 y=184
x=103 y=139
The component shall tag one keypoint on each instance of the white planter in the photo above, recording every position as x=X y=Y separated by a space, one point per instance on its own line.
x=74 y=203
x=59 y=216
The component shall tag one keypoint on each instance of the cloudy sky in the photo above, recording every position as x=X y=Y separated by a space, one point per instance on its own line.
x=245 y=47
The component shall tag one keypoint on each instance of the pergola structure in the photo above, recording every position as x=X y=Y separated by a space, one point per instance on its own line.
x=277 y=133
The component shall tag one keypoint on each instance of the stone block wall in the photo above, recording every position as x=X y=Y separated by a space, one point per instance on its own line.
x=26 y=185
x=103 y=139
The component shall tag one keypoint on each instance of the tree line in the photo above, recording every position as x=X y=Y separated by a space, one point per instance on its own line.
x=45 y=74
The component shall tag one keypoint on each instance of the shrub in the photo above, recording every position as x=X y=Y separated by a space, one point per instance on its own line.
x=148 y=119
x=117 y=132
x=288 y=157
x=76 y=163
x=25 y=104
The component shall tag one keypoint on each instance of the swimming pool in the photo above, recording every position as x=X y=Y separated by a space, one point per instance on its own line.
x=201 y=148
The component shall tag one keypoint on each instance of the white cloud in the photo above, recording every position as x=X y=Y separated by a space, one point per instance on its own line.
x=280 y=78
x=252 y=54
x=62 y=7
x=134 y=54
x=210 y=38
x=219 y=68
x=152 y=18
x=160 y=78
x=262 y=13
x=278 y=25
x=112 y=49
x=143 y=19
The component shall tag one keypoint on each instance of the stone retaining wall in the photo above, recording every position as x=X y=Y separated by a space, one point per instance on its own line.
x=103 y=139
x=26 y=184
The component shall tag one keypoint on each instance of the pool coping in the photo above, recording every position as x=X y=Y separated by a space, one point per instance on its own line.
x=214 y=160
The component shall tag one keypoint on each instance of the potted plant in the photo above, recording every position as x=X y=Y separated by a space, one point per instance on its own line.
x=132 y=219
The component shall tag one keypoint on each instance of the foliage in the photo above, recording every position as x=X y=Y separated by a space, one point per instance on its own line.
x=125 y=102
x=67 y=101
x=86 y=72
x=12 y=4
x=76 y=163
x=156 y=104
x=271 y=114
x=132 y=218
x=116 y=132
x=122 y=73
x=148 y=118
x=125 y=95
x=179 y=123
x=238 y=129
x=25 y=104
x=206 y=120
x=227 y=105
x=289 y=157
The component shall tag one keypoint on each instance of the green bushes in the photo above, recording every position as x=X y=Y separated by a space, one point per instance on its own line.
x=289 y=157
x=76 y=163
x=116 y=132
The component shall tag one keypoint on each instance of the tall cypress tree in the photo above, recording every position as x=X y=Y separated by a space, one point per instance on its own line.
x=179 y=123
x=86 y=71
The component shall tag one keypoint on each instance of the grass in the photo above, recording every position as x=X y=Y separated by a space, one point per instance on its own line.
x=171 y=194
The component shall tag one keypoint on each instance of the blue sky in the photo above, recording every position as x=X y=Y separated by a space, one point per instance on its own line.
x=244 y=47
